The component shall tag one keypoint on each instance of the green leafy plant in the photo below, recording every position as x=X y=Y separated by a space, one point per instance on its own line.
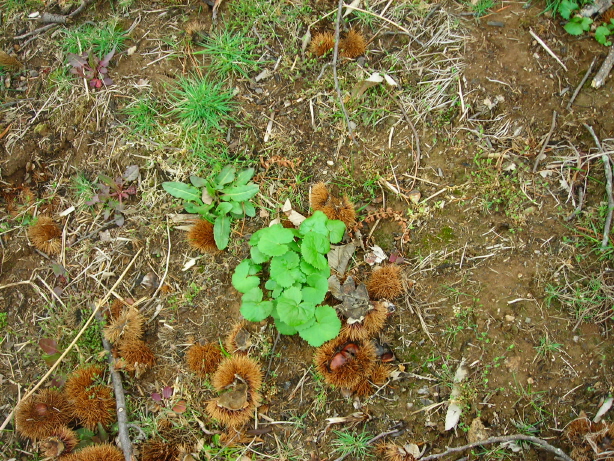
x=352 y=444
x=223 y=197
x=99 y=39
x=577 y=24
x=297 y=283
x=602 y=32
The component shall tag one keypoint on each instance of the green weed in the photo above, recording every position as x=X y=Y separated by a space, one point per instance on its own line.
x=352 y=444
x=142 y=115
x=231 y=53
x=100 y=39
x=81 y=187
x=201 y=104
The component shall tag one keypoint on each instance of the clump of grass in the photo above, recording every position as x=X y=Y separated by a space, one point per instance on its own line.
x=99 y=39
x=142 y=115
x=230 y=53
x=201 y=104
x=352 y=444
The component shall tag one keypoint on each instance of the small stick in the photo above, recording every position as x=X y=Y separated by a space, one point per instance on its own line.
x=507 y=438
x=550 y=52
x=120 y=398
x=579 y=87
x=541 y=155
x=335 y=57
x=608 y=188
x=604 y=70
x=74 y=341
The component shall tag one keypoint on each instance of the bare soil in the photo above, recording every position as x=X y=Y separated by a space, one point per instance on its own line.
x=490 y=239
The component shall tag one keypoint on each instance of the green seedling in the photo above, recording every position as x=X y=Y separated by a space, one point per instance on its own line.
x=297 y=283
x=352 y=444
x=220 y=199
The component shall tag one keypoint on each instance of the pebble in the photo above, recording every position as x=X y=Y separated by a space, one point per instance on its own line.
x=33 y=73
x=330 y=162
x=527 y=320
x=510 y=318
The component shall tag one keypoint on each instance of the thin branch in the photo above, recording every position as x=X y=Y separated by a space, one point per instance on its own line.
x=120 y=398
x=46 y=27
x=541 y=155
x=507 y=438
x=548 y=50
x=604 y=70
x=99 y=304
x=335 y=58
x=579 y=87
x=608 y=188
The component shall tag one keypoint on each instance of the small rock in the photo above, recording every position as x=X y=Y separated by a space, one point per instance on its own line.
x=34 y=73
x=510 y=318
x=527 y=320
x=330 y=162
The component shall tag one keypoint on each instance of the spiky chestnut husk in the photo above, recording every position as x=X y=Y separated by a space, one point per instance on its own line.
x=41 y=414
x=378 y=376
x=392 y=452
x=233 y=418
x=45 y=235
x=91 y=402
x=249 y=372
x=318 y=196
x=159 y=450
x=608 y=16
x=248 y=369
x=372 y=324
x=350 y=373
x=128 y=326
x=61 y=443
x=322 y=43
x=385 y=282
x=203 y=359
x=103 y=452
x=200 y=237
x=137 y=355
x=320 y=199
x=232 y=343
x=353 y=45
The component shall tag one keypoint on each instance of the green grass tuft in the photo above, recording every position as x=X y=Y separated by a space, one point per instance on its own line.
x=142 y=115
x=231 y=54
x=200 y=104
x=100 y=39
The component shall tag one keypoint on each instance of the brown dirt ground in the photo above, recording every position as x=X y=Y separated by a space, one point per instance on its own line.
x=479 y=275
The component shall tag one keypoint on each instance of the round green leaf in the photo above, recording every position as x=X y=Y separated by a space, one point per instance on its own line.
x=336 y=229
x=273 y=240
x=326 y=327
x=252 y=306
x=315 y=223
x=241 y=278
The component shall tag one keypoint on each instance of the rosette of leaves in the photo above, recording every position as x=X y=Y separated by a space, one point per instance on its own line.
x=219 y=199
x=293 y=265
x=112 y=193
x=91 y=68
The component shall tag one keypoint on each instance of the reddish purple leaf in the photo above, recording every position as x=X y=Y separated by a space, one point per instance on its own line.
x=157 y=397
x=49 y=346
x=180 y=407
x=167 y=392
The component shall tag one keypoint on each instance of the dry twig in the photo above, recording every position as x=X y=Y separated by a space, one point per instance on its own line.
x=579 y=87
x=541 y=155
x=120 y=399
x=604 y=70
x=605 y=158
x=507 y=438
x=548 y=50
